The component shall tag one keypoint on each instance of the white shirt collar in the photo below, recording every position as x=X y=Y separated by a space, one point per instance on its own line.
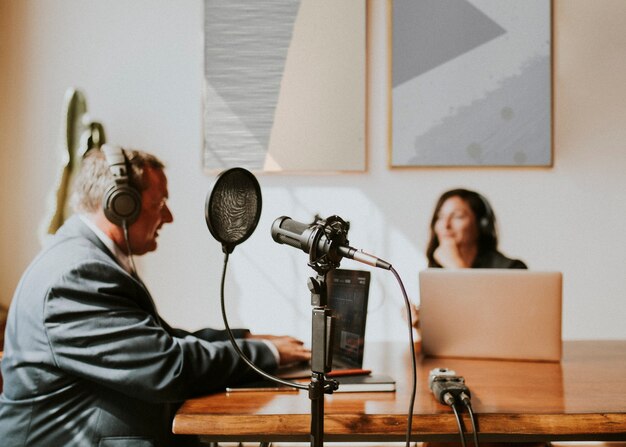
x=120 y=256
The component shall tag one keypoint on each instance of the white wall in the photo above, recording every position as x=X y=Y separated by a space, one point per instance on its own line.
x=140 y=64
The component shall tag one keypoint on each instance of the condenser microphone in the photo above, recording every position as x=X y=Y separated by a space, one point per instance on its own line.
x=315 y=238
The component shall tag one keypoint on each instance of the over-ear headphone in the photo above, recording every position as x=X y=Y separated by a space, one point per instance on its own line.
x=121 y=201
x=487 y=223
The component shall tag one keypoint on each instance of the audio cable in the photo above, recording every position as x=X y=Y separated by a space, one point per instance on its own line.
x=466 y=399
x=450 y=389
x=459 y=422
x=409 y=422
x=130 y=253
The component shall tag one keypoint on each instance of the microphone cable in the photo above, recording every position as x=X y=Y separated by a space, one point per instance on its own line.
x=459 y=421
x=409 y=422
x=468 y=404
x=236 y=347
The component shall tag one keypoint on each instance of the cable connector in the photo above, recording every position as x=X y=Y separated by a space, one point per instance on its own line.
x=447 y=389
x=448 y=399
x=438 y=372
x=466 y=399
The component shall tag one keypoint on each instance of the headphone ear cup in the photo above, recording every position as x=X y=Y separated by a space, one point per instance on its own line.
x=487 y=227
x=484 y=223
x=487 y=223
x=121 y=203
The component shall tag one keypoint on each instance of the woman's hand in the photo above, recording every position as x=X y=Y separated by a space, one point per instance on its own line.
x=415 y=322
x=448 y=254
x=415 y=315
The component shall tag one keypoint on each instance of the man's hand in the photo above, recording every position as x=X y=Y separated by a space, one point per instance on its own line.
x=290 y=349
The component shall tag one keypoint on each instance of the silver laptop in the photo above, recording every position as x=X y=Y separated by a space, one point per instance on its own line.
x=491 y=313
x=348 y=292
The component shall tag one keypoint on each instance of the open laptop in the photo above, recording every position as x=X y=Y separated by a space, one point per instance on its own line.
x=491 y=313
x=348 y=292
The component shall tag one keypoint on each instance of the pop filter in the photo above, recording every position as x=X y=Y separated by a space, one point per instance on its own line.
x=233 y=207
x=232 y=211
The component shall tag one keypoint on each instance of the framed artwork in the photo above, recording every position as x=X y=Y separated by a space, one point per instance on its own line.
x=284 y=85
x=471 y=83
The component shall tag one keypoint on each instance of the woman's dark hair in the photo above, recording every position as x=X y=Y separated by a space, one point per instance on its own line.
x=485 y=222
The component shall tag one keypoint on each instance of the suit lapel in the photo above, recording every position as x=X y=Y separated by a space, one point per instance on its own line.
x=74 y=227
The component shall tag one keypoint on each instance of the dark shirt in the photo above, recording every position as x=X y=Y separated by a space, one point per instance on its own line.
x=496 y=260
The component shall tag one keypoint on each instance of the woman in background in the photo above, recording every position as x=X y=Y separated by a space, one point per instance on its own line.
x=463 y=234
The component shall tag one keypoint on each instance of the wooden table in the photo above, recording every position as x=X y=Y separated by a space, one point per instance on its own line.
x=581 y=398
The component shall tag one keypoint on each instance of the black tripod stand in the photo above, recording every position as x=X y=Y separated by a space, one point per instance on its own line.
x=321 y=356
x=326 y=242
x=325 y=236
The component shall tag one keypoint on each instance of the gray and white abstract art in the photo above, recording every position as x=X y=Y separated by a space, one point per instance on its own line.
x=272 y=73
x=471 y=83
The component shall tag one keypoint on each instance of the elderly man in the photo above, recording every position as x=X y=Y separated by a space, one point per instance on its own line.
x=88 y=361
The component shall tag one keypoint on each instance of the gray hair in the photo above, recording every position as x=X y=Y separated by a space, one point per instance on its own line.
x=94 y=177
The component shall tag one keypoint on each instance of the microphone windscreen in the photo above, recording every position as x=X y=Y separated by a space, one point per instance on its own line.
x=233 y=207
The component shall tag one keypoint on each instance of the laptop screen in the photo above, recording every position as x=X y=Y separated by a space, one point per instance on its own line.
x=347 y=298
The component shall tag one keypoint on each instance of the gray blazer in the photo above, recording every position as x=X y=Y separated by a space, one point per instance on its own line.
x=89 y=362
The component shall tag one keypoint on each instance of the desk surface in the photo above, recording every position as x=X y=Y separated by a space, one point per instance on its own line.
x=583 y=397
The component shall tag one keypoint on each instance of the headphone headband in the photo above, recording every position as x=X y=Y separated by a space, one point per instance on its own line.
x=118 y=165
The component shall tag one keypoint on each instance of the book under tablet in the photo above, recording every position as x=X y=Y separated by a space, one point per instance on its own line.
x=491 y=313
x=347 y=384
x=260 y=386
x=373 y=383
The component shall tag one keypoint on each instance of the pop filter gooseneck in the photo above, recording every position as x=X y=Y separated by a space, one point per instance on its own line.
x=232 y=212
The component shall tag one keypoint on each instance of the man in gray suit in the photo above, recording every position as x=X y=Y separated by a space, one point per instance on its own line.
x=88 y=361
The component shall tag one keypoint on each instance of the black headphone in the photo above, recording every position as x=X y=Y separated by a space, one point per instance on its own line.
x=121 y=201
x=487 y=223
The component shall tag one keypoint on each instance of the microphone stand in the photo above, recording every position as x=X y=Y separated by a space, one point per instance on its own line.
x=325 y=235
x=321 y=356
x=322 y=242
